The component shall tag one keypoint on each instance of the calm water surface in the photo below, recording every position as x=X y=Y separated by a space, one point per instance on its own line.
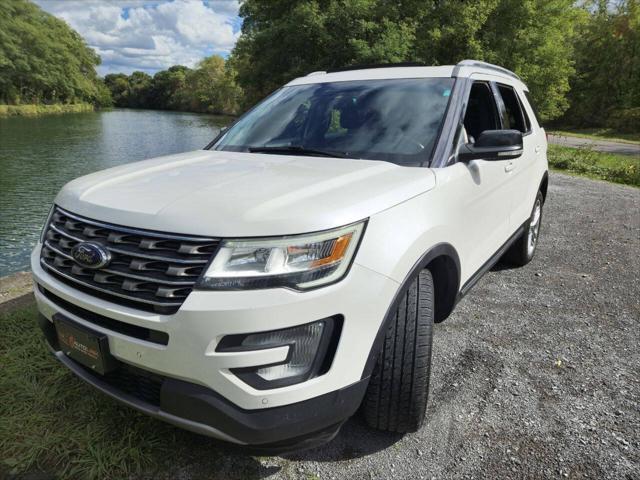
x=39 y=155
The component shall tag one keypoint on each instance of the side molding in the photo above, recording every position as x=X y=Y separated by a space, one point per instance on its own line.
x=490 y=263
x=438 y=250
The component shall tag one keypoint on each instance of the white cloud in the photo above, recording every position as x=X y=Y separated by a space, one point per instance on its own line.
x=150 y=35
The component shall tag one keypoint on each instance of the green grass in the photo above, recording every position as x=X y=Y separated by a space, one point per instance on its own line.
x=600 y=134
x=605 y=166
x=52 y=422
x=37 y=110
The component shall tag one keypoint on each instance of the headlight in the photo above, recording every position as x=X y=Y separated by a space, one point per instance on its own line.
x=298 y=261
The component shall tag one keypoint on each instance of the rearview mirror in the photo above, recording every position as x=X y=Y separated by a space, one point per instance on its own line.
x=493 y=145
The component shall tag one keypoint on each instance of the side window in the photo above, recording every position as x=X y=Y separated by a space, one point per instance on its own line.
x=482 y=113
x=527 y=122
x=513 y=115
x=533 y=106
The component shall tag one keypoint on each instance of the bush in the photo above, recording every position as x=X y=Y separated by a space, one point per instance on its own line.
x=585 y=161
x=626 y=120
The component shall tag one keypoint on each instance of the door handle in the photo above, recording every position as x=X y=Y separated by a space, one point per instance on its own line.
x=538 y=148
x=509 y=166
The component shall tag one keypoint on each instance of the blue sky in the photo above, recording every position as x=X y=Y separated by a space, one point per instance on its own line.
x=151 y=35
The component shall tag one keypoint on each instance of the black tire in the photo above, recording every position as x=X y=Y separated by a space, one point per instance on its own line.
x=521 y=251
x=396 y=398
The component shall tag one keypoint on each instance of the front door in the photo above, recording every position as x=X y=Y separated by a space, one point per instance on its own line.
x=482 y=187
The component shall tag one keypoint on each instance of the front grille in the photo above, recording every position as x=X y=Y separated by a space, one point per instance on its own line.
x=148 y=270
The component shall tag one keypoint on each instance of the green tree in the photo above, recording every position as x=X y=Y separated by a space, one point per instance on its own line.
x=282 y=39
x=118 y=85
x=103 y=95
x=606 y=87
x=530 y=37
x=166 y=86
x=43 y=60
x=210 y=87
x=139 y=91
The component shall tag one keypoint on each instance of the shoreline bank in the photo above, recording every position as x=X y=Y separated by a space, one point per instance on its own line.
x=36 y=110
x=15 y=291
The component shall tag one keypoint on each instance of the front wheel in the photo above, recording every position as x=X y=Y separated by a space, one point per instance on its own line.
x=396 y=398
x=522 y=251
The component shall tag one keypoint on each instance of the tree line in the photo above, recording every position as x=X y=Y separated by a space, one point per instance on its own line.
x=209 y=88
x=580 y=59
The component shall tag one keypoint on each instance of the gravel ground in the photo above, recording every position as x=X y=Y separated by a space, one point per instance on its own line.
x=535 y=375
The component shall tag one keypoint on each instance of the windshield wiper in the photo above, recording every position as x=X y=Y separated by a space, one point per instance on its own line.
x=297 y=150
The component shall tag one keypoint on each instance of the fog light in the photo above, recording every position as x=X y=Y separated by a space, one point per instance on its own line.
x=311 y=348
x=303 y=344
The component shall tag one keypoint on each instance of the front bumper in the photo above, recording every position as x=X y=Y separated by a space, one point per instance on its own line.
x=200 y=410
x=199 y=392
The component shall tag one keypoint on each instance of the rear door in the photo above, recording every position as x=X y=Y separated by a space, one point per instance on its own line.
x=524 y=181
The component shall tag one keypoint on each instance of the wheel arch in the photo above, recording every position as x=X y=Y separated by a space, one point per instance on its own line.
x=444 y=263
x=544 y=184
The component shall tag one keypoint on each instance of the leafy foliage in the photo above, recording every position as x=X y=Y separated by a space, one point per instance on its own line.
x=209 y=88
x=283 y=39
x=605 y=90
x=42 y=60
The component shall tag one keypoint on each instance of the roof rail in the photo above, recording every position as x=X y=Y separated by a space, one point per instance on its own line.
x=478 y=63
x=376 y=65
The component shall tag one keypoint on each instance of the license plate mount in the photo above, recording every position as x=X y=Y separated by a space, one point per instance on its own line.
x=85 y=346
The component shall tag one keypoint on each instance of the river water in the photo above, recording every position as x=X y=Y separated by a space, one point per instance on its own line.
x=39 y=155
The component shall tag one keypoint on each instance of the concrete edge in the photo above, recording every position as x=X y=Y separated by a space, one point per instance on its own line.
x=15 y=292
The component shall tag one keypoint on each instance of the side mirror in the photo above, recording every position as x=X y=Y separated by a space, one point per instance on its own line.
x=493 y=145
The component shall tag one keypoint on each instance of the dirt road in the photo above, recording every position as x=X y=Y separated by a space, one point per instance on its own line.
x=598 y=145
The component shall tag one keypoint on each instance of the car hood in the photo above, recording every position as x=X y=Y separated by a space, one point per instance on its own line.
x=230 y=194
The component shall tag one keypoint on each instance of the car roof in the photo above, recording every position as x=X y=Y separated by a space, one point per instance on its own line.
x=463 y=69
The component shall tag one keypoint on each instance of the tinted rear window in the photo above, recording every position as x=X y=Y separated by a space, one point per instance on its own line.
x=533 y=106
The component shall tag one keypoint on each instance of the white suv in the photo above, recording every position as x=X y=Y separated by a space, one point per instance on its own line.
x=262 y=290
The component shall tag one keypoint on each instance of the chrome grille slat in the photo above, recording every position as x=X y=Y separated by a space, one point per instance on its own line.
x=149 y=270
x=62 y=256
x=133 y=254
x=130 y=297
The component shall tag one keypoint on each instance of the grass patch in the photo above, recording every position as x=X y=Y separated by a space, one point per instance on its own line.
x=600 y=134
x=604 y=166
x=52 y=422
x=37 y=110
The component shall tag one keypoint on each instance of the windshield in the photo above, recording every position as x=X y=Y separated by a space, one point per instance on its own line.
x=393 y=120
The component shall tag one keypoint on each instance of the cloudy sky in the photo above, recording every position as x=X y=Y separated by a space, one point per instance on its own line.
x=151 y=35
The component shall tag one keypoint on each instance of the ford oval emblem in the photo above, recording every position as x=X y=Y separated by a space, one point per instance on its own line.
x=91 y=255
